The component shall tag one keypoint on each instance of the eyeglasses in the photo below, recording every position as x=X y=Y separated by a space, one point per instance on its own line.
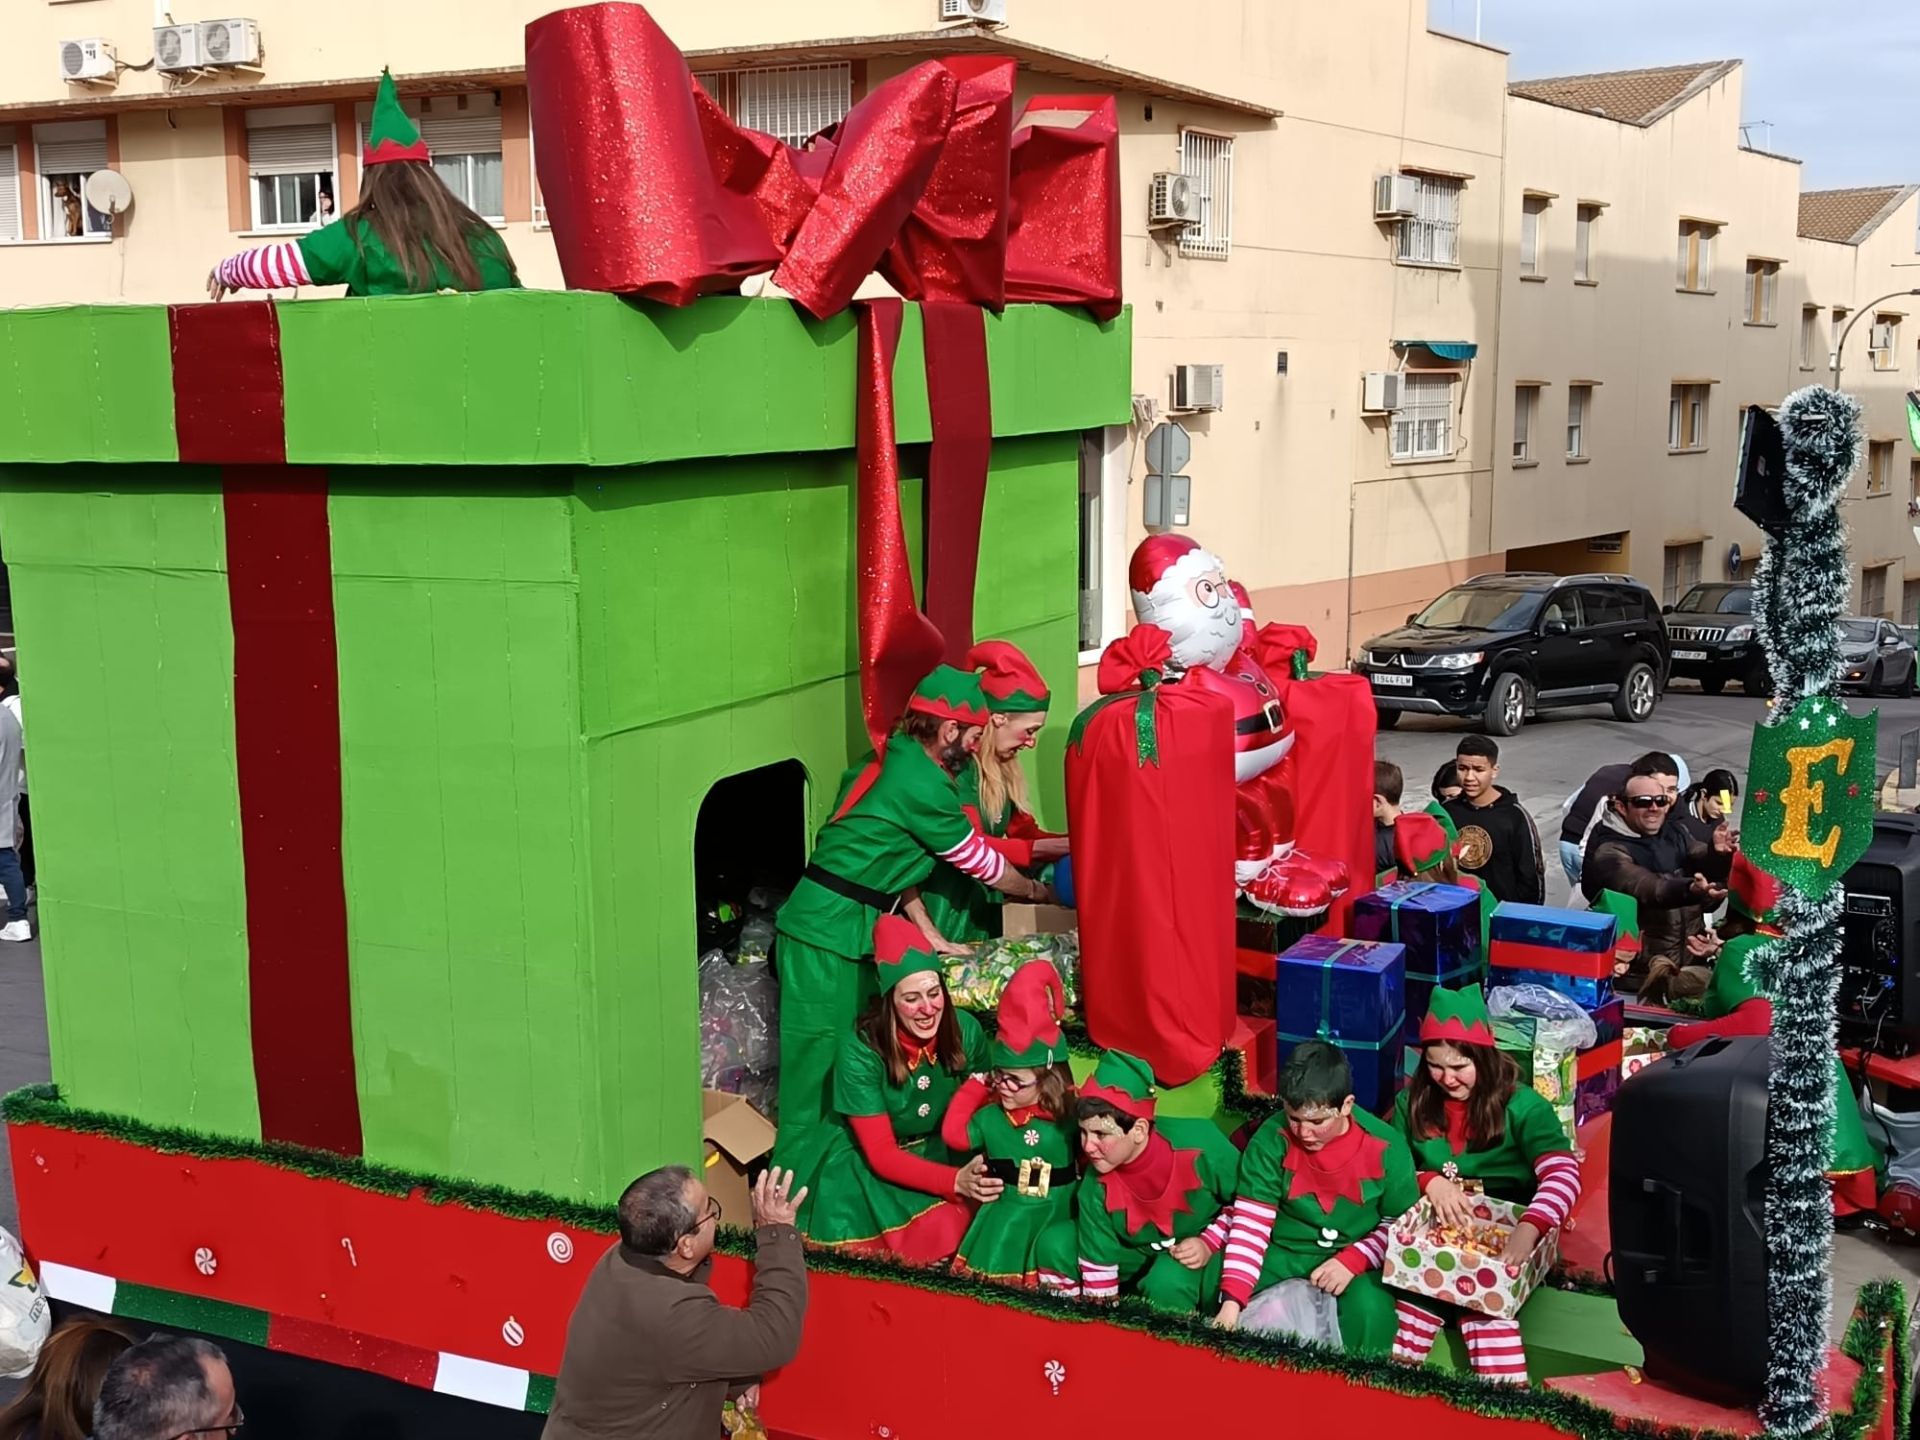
x=712 y=1212
x=227 y=1428
x=1649 y=802
x=1007 y=1080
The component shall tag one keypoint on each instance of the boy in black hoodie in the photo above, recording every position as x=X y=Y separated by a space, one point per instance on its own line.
x=1498 y=841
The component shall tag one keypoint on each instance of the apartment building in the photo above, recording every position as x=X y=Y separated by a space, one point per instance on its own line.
x=1659 y=277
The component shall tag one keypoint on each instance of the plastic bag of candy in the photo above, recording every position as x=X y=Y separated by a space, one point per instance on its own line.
x=739 y=1027
x=976 y=980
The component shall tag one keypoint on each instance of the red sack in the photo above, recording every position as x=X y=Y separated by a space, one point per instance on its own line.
x=1150 y=800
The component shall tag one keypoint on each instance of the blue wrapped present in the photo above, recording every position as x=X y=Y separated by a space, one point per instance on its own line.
x=1570 y=951
x=1350 y=993
x=1439 y=925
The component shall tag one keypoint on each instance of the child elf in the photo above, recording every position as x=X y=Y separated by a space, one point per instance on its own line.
x=1026 y=1237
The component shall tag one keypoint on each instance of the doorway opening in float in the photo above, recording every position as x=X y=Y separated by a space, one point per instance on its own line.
x=749 y=846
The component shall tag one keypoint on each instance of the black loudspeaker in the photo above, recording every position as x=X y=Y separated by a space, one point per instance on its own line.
x=1687 y=1204
x=1879 y=1000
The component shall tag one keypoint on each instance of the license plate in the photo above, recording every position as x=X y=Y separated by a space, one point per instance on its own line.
x=1398 y=682
x=1689 y=654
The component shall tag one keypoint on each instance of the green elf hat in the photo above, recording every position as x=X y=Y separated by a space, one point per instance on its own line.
x=1753 y=892
x=900 y=950
x=950 y=694
x=391 y=134
x=1011 y=684
x=1626 y=910
x=1123 y=1081
x=1419 y=844
x=1030 y=1011
x=1457 y=1017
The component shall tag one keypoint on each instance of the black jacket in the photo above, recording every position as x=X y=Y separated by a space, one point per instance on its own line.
x=1500 y=845
x=1602 y=785
x=1383 y=857
x=1657 y=872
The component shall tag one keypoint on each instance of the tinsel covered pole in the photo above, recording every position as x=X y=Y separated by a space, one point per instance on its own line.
x=1809 y=790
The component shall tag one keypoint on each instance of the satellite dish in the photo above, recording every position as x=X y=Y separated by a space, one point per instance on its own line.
x=108 y=192
x=1733 y=561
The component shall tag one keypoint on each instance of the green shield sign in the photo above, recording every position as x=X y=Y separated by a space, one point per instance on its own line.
x=1810 y=794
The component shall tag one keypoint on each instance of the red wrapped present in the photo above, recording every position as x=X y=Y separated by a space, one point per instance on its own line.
x=1150 y=807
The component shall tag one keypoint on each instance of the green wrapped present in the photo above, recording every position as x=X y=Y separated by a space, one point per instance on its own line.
x=975 y=980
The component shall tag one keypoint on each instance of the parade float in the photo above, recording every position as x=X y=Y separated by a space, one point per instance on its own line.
x=409 y=673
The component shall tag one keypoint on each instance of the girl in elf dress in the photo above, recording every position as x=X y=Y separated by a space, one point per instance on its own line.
x=1027 y=1236
x=993 y=791
x=1466 y=1116
x=887 y=1184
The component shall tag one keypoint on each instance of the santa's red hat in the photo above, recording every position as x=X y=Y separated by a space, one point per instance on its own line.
x=1012 y=685
x=1153 y=557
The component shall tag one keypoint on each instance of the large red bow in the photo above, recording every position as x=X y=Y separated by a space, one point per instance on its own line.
x=653 y=191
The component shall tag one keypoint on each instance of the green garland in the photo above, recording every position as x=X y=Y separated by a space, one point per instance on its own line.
x=1881 y=1303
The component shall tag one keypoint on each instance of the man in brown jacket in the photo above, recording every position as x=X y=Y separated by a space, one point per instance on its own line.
x=651 y=1352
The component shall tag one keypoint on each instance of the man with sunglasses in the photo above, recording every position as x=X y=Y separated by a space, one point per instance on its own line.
x=169 y=1387
x=1674 y=877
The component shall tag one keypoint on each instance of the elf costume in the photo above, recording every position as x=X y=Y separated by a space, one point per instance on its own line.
x=1175 y=1189
x=884 y=1185
x=1297 y=1209
x=349 y=252
x=1735 y=1003
x=1027 y=1236
x=960 y=907
x=899 y=816
x=1531 y=1164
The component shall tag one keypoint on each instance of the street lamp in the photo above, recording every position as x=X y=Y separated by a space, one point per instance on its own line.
x=1866 y=309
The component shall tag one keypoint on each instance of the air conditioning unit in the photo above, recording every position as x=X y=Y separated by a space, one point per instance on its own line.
x=87 y=60
x=1199 y=387
x=229 y=42
x=176 y=47
x=1394 y=196
x=987 y=12
x=1880 y=337
x=1172 y=201
x=1380 y=392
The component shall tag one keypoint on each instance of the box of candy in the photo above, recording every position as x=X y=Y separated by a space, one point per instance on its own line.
x=1571 y=951
x=1438 y=924
x=1462 y=1265
x=976 y=980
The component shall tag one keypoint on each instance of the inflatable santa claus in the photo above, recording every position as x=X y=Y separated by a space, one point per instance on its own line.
x=1184 y=590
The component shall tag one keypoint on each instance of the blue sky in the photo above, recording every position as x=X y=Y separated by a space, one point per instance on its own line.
x=1836 y=83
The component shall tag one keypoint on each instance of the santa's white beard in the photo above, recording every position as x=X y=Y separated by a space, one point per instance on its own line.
x=1202 y=637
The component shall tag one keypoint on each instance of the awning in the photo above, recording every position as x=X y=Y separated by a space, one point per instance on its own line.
x=1445 y=349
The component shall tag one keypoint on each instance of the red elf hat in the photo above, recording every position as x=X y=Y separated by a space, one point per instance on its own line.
x=900 y=950
x=1419 y=844
x=1030 y=1011
x=1754 y=893
x=1012 y=685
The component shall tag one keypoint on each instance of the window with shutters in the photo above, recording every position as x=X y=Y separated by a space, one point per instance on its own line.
x=1687 y=417
x=1695 y=261
x=1208 y=160
x=65 y=154
x=1809 y=327
x=291 y=157
x=1431 y=235
x=1533 y=209
x=1879 y=467
x=463 y=137
x=792 y=103
x=1883 y=342
x=11 y=225
x=1763 y=285
x=1873 y=591
x=1679 y=571
x=1579 y=402
x=1423 y=425
x=1586 y=220
x=1526 y=400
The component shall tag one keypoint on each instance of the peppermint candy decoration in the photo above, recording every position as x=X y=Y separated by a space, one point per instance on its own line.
x=923 y=1082
x=513 y=1333
x=1032 y=1137
x=559 y=1247
x=925 y=1110
x=1056 y=1373
x=204 y=1262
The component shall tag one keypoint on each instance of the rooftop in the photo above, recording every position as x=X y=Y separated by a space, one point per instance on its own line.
x=1633 y=97
x=1848 y=216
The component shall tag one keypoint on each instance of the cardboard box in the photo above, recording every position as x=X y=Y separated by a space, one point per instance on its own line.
x=1418 y=1262
x=1018 y=918
x=736 y=1135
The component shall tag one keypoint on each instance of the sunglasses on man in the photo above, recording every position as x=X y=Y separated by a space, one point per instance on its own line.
x=1649 y=802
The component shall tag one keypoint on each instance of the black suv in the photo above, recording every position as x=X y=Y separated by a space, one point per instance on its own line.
x=1500 y=648
x=1711 y=631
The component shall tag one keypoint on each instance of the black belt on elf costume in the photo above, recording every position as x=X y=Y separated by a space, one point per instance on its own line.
x=1028 y=1177
x=850 y=889
x=1269 y=718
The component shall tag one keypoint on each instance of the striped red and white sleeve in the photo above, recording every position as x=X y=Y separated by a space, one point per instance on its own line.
x=1558 y=1174
x=1215 y=1235
x=271 y=267
x=1247 y=1241
x=973 y=856
x=1099 y=1282
x=1368 y=1252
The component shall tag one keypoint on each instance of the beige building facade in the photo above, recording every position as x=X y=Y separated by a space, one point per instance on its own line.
x=1359 y=271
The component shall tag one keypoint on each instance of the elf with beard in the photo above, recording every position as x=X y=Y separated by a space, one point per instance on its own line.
x=1319 y=1185
x=896 y=819
x=1153 y=1212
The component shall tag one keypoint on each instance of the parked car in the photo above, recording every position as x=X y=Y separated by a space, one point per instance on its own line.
x=1875 y=656
x=1500 y=648
x=1712 y=635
